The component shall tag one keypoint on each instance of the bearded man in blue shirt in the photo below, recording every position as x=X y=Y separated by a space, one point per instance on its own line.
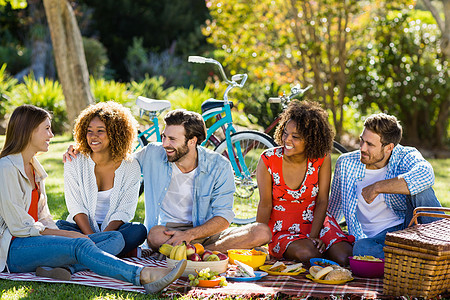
x=189 y=190
x=377 y=187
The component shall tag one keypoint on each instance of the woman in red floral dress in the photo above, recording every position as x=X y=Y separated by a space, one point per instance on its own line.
x=294 y=183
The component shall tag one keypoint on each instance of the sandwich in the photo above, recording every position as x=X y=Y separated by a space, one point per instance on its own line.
x=282 y=268
x=278 y=267
x=244 y=270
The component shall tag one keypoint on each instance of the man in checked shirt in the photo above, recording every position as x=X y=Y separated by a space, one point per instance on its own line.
x=377 y=187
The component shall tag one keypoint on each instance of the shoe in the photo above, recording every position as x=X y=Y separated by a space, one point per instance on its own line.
x=159 y=285
x=55 y=273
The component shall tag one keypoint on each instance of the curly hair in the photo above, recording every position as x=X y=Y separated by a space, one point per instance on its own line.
x=312 y=126
x=121 y=128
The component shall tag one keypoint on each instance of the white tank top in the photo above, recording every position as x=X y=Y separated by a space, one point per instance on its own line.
x=103 y=203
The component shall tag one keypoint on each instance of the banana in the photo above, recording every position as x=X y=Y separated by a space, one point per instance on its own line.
x=165 y=249
x=173 y=252
x=181 y=252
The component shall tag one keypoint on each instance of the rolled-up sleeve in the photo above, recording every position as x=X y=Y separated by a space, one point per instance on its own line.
x=73 y=191
x=417 y=172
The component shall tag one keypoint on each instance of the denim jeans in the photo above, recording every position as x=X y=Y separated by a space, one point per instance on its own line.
x=374 y=245
x=26 y=254
x=134 y=234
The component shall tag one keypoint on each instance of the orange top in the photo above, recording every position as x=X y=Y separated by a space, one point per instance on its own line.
x=33 y=210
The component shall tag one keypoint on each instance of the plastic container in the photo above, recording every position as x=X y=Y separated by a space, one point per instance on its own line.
x=216 y=266
x=253 y=258
x=367 y=268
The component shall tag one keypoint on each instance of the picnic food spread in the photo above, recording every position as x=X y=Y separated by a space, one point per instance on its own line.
x=331 y=273
x=241 y=270
x=366 y=257
x=206 y=278
x=281 y=267
x=194 y=252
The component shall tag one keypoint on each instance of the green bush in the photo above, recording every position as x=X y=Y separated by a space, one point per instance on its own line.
x=46 y=94
x=104 y=90
x=96 y=57
x=7 y=83
x=190 y=99
x=141 y=62
x=150 y=87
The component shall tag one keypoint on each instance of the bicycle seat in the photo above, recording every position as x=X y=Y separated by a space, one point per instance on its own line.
x=152 y=104
x=213 y=103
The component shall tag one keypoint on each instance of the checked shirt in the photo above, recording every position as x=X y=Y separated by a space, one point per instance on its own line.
x=405 y=162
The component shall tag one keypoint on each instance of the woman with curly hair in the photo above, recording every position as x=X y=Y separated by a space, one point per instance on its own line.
x=102 y=186
x=294 y=183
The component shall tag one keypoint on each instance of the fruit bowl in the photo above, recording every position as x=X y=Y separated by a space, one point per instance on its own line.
x=216 y=266
x=367 y=268
x=208 y=283
x=253 y=258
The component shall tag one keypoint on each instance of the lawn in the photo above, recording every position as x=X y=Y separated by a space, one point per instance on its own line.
x=52 y=162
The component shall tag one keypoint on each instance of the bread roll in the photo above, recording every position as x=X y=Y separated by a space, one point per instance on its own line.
x=339 y=274
x=323 y=272
x=314 y=269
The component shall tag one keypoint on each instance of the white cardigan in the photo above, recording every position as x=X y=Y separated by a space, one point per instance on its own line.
x=80 y=189
x=15 y=201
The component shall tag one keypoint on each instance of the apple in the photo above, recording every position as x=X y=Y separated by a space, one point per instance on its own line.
x=213 y=257
x=206 y=254
x=221 y=256
x=194 y=257
x=190 y=249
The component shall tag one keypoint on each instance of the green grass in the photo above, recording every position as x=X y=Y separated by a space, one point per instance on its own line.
x=52 y=162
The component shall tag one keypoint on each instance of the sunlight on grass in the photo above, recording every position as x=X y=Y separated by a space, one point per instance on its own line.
x=16 y=293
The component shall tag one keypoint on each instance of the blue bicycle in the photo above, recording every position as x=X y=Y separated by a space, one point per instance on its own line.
x=242 y=148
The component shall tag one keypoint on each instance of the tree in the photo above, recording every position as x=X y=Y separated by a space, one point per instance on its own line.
x=399 y=70
x=69 y=56
x=289 y=41
x=68 y=52
x=444 y=27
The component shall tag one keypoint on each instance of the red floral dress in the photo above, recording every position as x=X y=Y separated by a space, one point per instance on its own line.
x=293 y=210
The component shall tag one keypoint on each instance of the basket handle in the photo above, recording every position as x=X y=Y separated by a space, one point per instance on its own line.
x=421 y=211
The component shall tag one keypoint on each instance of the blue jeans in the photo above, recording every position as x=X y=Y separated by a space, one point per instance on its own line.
x=26 y=254
x=134 y=234
x=374 y=245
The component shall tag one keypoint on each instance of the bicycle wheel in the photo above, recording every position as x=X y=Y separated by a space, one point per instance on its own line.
x=339 y=148
x=251 y=144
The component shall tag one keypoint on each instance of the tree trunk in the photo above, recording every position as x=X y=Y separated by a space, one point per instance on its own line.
x=69 y=56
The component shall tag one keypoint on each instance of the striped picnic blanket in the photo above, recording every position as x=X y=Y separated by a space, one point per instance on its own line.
x=270 y=286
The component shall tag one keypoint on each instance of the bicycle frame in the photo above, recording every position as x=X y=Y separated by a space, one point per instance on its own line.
x=240 y=170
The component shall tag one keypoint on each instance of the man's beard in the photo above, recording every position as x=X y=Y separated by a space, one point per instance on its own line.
x=179 y=153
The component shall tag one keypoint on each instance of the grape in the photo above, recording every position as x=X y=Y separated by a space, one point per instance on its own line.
x=191 y=277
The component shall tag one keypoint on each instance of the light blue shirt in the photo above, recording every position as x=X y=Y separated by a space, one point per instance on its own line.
x=405 y=162
x=213 y=184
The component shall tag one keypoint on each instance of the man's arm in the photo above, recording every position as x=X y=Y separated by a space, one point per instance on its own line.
x=211 y=227
x=395 y=185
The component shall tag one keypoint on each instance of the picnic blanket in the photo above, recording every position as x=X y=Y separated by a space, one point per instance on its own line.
x=270 y=286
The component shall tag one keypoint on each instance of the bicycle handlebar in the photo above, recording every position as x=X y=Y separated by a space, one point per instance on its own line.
x=231 y=83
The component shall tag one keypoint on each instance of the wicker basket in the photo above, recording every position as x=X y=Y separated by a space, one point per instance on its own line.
x=417 y=259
